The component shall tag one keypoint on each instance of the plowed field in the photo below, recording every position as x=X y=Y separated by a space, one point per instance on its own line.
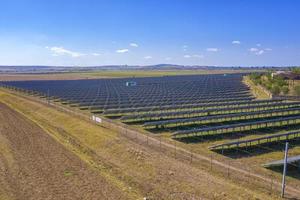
x=33 y=165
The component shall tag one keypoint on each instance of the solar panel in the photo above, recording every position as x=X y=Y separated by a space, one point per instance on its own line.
x=192 y=113
x=210 y=103
x=149 y=92
x=227 y=117
x=258 y=139
x=242 y=126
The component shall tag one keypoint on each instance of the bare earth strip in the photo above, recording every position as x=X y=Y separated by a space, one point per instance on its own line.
x=35 y=166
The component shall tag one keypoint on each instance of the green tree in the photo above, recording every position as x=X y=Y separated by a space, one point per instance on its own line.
x=296 y=70
x=275 y=90
x=285 y=89
x=268 y=86
x=297 y=90
x=256 y=78
x=279 y=81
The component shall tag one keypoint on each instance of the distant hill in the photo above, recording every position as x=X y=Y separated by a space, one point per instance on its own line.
x=53 y=69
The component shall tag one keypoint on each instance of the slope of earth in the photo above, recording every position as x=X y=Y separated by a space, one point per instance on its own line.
x=33 y=165
x=137 y=167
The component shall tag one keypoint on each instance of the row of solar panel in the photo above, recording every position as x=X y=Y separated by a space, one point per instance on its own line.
x=257 y=124
x=213 y=111
x=201 y=105
x=226 y=117
x=258 y=140
x=114 y=94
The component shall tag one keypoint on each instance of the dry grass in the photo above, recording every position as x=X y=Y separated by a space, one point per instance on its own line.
x=292 y=84
x=7 y=155
x=33 y=149
x=138 y=169
x=256 y=90
x=89 y=134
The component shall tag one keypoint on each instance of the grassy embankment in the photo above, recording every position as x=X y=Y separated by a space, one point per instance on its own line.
x=258 y=91
x=58 y=125
x=135 y=169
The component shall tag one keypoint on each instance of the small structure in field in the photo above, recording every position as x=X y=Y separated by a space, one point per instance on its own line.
x=131 y=83
x=286 y=75
x=278 y=73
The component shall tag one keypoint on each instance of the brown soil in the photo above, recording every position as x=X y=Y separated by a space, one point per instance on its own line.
x=33 y=165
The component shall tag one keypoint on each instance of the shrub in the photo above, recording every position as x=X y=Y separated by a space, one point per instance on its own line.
x=297 y=90
x=275 y=90
x=268 y=86
x=285 y=89
x=279 y=81
x=296 y=70
x=255 y=76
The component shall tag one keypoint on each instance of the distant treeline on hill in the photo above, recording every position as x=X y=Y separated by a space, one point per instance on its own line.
x=46 y=69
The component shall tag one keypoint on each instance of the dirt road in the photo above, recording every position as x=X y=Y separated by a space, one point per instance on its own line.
x=35 y=166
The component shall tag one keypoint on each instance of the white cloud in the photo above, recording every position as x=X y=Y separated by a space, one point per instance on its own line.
x=212 y=49
x=260 y=52
x=268 y=49
x=253 y=49
x=257 y=51
x=193 y=56
x=236 y=42
x=148 y=57
x=122 y=50
x=197 y=56
x=60 y=51
x=185 y=47
x=96 y=54
x=133 y=44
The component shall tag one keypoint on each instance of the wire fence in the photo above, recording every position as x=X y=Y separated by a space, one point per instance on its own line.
x=231 y=169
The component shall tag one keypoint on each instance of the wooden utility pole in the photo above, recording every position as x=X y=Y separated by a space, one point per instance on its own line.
x=284 y=169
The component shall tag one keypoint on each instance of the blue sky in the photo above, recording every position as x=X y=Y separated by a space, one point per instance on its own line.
x=189 y=32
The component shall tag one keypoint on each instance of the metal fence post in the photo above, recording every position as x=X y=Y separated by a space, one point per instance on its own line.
x=284 y=169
